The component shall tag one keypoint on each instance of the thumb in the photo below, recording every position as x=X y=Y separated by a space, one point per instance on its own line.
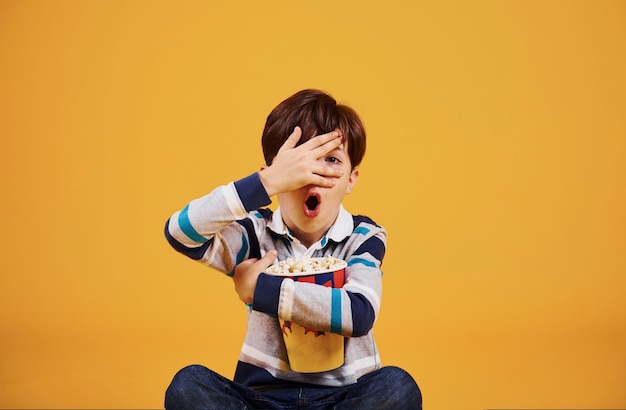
x=268 y=258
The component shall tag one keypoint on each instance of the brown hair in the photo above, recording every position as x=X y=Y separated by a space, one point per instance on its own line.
x=315 y=112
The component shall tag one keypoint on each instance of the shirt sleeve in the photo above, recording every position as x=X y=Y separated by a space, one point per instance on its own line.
x=206 y=230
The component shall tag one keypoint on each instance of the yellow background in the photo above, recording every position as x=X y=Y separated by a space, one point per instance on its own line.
x=496 y=161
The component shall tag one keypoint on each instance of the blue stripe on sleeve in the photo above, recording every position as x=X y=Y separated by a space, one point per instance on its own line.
x=255 y=249
x=251 y=192
x=335 y=311
x=193 y=253
x=244 y=249
x=362 y=261
x=361 y=230
x=241 y=255
x=374 y=246
x=267 y=294
x=363 y=315
x=187 y=228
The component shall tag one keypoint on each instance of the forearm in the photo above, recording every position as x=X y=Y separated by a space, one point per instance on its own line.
x=205 y=230
x=341 y=311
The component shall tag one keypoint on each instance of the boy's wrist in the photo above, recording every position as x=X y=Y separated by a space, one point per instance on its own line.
x=266 y=181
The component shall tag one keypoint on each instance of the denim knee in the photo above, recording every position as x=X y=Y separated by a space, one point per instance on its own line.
x=402 y=382
x=190 y=374
x=183 y=382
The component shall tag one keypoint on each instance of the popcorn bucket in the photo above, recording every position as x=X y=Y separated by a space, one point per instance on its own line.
x=311 y=350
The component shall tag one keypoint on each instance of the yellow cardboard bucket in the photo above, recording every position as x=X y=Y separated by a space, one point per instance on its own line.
x=311 y=350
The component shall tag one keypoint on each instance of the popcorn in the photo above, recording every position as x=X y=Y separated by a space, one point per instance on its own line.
x=305 y=265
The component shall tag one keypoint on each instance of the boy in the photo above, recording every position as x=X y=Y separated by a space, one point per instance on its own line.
x=312 y=148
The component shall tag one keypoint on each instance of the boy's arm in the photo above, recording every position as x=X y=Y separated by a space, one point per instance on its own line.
x=204 y=229
x=349 y=311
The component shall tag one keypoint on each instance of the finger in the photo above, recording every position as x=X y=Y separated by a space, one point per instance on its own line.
x=328 y=146
x=323 y=182
x=292 y=140
x=328 y=172
x=322 y=139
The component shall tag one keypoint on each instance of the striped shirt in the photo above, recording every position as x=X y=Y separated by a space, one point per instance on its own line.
x=229 y=225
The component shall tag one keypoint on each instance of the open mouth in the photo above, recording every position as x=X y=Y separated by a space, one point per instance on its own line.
x=312 y=205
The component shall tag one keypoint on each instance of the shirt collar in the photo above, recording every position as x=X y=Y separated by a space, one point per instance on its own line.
x=340 y=230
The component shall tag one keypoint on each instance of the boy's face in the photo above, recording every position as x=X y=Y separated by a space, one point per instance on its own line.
x=311 y=210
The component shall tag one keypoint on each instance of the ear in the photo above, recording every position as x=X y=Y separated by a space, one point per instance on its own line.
x=354 y=175
x=263 y=167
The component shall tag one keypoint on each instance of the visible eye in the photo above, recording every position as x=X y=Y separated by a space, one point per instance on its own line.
x=333 y=160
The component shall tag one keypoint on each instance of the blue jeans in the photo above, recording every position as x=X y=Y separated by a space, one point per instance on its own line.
x=196 y=387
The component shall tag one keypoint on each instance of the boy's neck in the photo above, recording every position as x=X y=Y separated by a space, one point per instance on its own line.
x=307 y=239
